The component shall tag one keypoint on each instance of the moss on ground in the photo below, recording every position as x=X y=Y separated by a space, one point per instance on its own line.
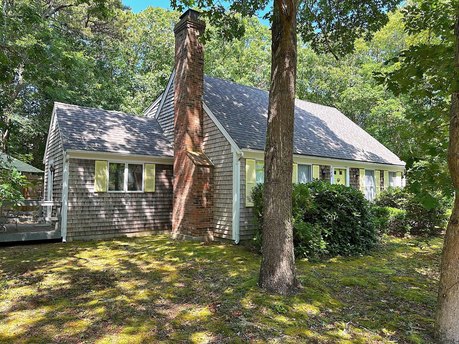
x=153 y=289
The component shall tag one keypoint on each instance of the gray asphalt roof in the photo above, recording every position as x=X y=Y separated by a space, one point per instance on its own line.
x=320 y=130
x=89 y=129
x=9 y=162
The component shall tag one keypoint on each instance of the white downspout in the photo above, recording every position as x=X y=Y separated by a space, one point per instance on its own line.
x=65 y=197
x=236 y=195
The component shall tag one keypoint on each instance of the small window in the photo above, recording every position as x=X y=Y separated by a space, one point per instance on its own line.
x=304 y=174
x=392 y=179
x=135 y=177
x=260 y=172
x=116 y=177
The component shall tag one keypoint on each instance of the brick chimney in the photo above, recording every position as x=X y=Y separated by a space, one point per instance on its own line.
x=193 y=171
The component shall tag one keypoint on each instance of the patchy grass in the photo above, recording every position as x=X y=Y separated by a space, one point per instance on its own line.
x=153 y=289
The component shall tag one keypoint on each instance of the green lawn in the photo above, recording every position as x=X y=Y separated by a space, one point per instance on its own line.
x=156 y=290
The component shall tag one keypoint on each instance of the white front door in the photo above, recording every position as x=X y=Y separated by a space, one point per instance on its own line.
x=370 y=185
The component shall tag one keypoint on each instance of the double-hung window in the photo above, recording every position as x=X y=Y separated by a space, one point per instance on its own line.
x=304 y=173
x=135 y=177
x=260 y=172
x=124 y=177
x=392 y=179
x=116 y=176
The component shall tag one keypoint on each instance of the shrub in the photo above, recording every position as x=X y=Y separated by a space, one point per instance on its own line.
x=397 y=223
x=390 y=220
x=392 y=197
x=327 y=220
x=380 y=218
x=409 y=213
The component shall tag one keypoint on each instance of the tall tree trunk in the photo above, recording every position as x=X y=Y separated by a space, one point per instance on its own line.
x=277 y=272
x=448 y=294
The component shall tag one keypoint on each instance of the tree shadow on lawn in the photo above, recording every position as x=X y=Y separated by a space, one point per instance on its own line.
x=153 y=289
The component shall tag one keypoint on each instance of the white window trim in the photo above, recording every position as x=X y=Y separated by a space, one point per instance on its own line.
x=256 y=163
x=126 y=176
x=303 y=164
x=394 y=179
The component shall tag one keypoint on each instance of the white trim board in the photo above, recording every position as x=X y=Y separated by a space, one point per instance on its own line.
x=148 y=109
x=236 y=170
x=236 y=216
x=50 y=129
x=299 y=159
x=220 y=127
x=166 y=91
x=65 y=197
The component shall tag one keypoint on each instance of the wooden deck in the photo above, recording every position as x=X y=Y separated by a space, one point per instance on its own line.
x=27 y=222
x=28 y=232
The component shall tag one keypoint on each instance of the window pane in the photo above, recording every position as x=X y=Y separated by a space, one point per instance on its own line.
x=392 y=177
x=135 y=177
x=260 y=170
x=304 y=174
x=116 y=177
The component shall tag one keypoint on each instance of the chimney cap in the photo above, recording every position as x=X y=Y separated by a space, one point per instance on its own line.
x=192 y=14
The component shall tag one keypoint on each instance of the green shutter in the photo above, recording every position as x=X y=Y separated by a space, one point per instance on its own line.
x=378 y=181
x=362 y=179
x=101 y=176
x=315 y=172
x=386 y=180
x=295 y=174
x=250 y=180
x=149 y=177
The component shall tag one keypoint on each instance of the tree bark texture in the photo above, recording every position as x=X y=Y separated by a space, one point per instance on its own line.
x=277 y=272
x=448 y=294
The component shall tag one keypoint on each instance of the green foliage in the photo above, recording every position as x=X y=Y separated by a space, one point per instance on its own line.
x=400 y=212
x=392 y=197
x=345 y=215
x=423 y=72
x=327 y=220
x=12 y=182
x=390 y=220
x=54 y=51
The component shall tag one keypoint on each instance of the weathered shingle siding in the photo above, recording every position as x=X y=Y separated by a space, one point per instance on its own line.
x=166 y=115
x=218 y=149
x=246 y=224
x=55 y=153
x=105 y=215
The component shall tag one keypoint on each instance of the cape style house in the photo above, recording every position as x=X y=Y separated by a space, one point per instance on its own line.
x=188 y=165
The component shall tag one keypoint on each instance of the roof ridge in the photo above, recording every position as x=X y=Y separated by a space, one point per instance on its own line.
x=99 y=109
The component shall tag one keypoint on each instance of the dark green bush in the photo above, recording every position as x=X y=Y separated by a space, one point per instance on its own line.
x=390 y=220
x=327 y=220
x=397 y=223
x=392 y=197
x=417 y=218
x=380 y=218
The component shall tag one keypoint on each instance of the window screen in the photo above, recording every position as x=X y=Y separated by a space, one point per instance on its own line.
x=304 y=174
x=116 y=177
x=135 y=177
x=260 y=172
x=392 y=179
